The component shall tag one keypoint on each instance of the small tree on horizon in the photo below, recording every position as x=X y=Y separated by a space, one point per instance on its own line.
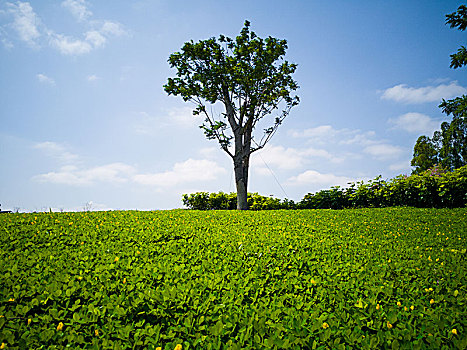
x=250 y=78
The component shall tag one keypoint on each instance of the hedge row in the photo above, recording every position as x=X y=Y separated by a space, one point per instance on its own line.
x=434 y=188
x=228 y=201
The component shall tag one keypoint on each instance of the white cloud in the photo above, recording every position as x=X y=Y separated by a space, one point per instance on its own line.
x=7 y=44
x=30 y=29
x=181 y=117
x=57 y=151
x=78 y=9
x=72 y=175
x=189 y=171
x=383 y=151
x=317 y=132
x=283 y=158
x=112 y=28
x=69 y=46
x=92 y=77
x=405 y=94
x=359 y=138
x=288 y=158
x=313 y=177
x=324 y=134
x=415 y=123
x=210 y=152
x=95 y=38
x=45 y=79
x=401 y=166
x=25 y=22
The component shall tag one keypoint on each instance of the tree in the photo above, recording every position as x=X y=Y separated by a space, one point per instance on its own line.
x=249 y=78
x=453 y=136
x=425 y=155
x=450 y=142
x=458 y=19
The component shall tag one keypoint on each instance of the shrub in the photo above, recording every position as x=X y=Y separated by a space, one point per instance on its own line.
x=433 y=188
x=228 y=201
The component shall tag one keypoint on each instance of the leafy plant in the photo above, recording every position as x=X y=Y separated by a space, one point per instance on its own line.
x=365 y=278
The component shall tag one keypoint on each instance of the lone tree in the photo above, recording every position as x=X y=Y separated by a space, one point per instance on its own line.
x=250 y=79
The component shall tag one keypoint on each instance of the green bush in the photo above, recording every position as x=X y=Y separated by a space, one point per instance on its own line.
x=434 y=188
x=228 y=201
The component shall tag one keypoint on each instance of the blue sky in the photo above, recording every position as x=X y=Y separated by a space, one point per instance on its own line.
x=85 y=120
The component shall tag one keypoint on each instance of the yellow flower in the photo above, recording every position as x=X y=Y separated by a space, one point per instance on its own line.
x=138 y=252
x=405 y=308
x=29 y=321
x=3 y=346
x=159 y=348
x=325 y=325
x=388 y=325
x=11 y=299
x=412 y=307
x=60 y=326
x=432 y=301
x=454 y=331
x=124 y=280
x=96 y=332
x=178 y=347
x=377 y=306
x=313 y=281
x=399 y=303
x=116 y=259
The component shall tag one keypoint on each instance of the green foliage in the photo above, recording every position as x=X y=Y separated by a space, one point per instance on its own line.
x=247 y=74
x=425 y=155
x=458 y=20
x=309 y=279
x=452 y=138
x=223 y=201
x=434 y=187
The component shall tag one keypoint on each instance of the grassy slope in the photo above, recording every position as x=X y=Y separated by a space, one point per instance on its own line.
x=280 y=279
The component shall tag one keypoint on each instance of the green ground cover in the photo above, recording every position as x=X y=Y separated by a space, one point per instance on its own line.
x=350 y=279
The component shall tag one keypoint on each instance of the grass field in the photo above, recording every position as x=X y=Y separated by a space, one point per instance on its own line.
x=350 y=279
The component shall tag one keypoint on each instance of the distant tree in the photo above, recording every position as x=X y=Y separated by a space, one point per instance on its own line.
x=425 y=155
x=453 y=152
x=452 y=138
x=249 y=77
x=450 y=142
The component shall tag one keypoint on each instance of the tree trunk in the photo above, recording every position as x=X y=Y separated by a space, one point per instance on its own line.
x=241 y=181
